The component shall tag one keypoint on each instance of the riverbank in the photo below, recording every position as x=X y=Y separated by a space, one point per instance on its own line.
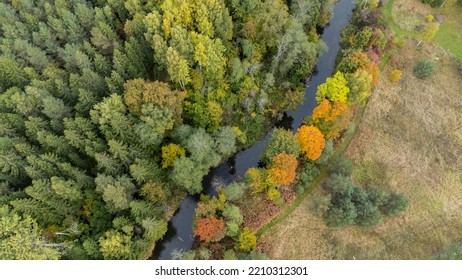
x=408 y=141
x=181 y=234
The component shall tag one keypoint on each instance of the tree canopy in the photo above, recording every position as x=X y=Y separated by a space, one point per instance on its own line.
x=112 y=110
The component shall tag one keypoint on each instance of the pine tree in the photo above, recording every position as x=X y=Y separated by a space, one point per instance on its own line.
x=11 y=74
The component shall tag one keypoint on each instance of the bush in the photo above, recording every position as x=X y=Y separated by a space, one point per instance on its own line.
x=429 y=31
x=346 y=204
x=274 y=195
x=232 y=213
x=396 y=75
x=341 y=165
x=204 y=253
x=424 y=69
x=341 y=215
x=396 y=203
x=254 y=255
x=378 y=196
x=232 y=229
x=305 y=176
x=326 y=153
x=339 y=187
x=454 y=251
x=368 y=214
x=246 y=241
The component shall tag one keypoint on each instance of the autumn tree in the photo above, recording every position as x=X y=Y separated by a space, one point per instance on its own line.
x=210 y=229
x=281 y=141
x=335 y=89
x=255 y=178
x=274 y=195
x=93 y=94
x=283 y=169
x=360 y=84
x=139 y=92
x=311 y=141
x=170 y=153
x=246 y=240
x=352 y=61
x=153 y=192
x=327 y=111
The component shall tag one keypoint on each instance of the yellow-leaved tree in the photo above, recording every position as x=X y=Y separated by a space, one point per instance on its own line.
x=170 y=153
x=335 y=89
x=246 y=241
x=255 y=178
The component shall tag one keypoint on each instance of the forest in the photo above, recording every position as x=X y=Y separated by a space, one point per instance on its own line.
x=112 y=111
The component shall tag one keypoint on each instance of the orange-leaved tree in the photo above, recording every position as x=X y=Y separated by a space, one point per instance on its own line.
x=283 y=169
x=329 y=118
x=210 y=229
x=340 y=124
x=373 y=69
x=311 y=141
x=327 y=112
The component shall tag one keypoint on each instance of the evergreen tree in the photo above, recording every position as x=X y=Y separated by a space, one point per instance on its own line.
x=21 y=239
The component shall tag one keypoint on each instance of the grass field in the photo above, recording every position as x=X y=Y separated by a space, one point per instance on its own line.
x=410 y=140
x=404 y=16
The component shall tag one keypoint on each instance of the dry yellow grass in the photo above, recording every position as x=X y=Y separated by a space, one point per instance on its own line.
x=410 y=140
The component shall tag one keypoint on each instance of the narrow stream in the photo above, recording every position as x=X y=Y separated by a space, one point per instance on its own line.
x=180 y=234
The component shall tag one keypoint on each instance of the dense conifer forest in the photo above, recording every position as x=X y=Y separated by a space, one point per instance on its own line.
x=112 y=111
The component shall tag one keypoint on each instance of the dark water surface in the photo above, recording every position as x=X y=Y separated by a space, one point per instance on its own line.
x=180 y=234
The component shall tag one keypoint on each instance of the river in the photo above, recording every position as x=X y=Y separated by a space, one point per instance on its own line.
x=180 y=234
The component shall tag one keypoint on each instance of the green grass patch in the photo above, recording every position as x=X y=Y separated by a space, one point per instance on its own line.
x=448 y=36
x=399 y=32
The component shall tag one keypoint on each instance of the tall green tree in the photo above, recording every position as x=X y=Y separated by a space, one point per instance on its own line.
x=21 y=239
